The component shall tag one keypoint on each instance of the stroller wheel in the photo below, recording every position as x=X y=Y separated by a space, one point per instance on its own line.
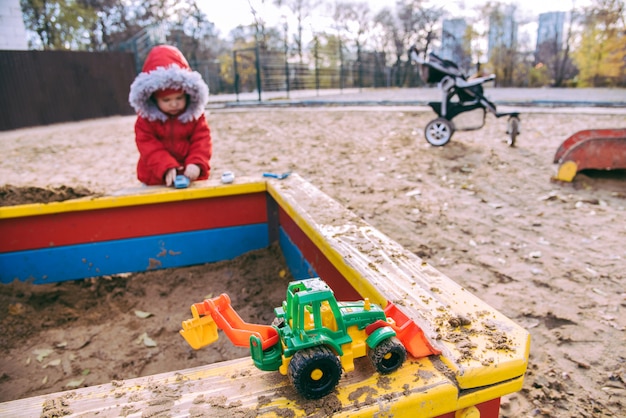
x=513 y=130
x=439 y=131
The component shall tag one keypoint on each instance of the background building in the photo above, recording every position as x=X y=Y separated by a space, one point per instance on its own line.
x=550 y=31
x=12 y=29
x=453 y=42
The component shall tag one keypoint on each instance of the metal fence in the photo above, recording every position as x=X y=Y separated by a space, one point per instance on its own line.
x=261 y=70
x=44 y=87
x=269 y=70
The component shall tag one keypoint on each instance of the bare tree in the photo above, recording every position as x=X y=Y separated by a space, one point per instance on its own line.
x=394 y=38
x=193 y=33
x=564 y=66
x=353 y=18
x=301 y=9
x=419 y=26
x=554 y=52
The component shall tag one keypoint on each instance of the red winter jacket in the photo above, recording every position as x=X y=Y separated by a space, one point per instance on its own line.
x=164 y=141
x=171 y=144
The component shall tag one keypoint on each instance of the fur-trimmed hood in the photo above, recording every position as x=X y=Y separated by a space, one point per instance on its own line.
x=167 y=68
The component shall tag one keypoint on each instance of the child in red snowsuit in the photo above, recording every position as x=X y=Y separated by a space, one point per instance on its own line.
x=171 y=130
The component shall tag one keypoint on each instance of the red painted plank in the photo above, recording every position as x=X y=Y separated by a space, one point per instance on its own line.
x=586 y=135
x=598 y=154
x=341 y=287
x=67 y=228
x=489 y=409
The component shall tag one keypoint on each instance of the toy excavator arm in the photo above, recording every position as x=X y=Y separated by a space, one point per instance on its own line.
x=200 y=331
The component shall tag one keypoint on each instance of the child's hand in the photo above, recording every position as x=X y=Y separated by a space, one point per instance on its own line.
x=192 y=171
x=170 y=176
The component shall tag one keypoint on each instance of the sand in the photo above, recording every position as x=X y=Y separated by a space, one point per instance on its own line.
x=547 y=254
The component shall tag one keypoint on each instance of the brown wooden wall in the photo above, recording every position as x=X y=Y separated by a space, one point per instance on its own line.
x=44 y=87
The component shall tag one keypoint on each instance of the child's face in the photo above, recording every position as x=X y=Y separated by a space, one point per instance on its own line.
x=172 y=104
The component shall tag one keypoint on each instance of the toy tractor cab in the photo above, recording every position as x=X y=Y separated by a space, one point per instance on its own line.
x=315 y=329
x=312 y=339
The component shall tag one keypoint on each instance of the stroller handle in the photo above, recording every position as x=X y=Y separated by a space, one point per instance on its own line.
x=474 y=81
x=414 y=55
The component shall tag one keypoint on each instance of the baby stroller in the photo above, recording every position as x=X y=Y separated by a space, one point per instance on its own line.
x=459 y=94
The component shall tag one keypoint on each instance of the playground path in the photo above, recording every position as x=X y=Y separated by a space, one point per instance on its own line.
x=541 y=98
x=549 y=255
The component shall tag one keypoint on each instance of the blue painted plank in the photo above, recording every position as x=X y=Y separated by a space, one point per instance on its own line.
x=298 y=266
x=132 y=255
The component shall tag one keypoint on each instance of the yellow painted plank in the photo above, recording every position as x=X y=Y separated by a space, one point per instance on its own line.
x=137 y=196
x=320 y=218
x=236 y=387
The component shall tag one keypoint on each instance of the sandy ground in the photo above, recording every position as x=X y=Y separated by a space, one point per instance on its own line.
x=549 y=255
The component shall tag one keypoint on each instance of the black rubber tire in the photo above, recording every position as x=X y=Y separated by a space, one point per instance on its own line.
x=387 y=356
x=315 y=372
x=512 y=130
x=438 y=132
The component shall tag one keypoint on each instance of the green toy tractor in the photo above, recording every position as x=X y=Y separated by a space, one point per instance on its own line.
x=312 y=339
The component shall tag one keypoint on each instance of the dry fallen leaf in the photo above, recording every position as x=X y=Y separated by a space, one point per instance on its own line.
x=142 y=314
x=145 y=340
x=42 y=353
x=52 y=363
x=74 y=383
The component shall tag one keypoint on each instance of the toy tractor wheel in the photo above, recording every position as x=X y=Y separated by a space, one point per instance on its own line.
x=314 y=372
x=513 y=130
x=439 y=131
x=388 y=356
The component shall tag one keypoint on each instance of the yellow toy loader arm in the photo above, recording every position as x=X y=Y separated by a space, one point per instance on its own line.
x=199 y=331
